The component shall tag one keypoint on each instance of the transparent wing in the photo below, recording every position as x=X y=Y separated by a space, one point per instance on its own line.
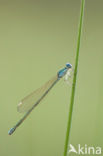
x=30 y=100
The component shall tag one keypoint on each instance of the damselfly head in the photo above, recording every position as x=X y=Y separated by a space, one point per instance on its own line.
x=68 y=65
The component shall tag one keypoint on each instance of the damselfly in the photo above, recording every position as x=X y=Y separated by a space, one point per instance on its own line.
x=32 y=100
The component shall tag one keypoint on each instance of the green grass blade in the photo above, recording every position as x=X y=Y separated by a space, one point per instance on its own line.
x=74 y=81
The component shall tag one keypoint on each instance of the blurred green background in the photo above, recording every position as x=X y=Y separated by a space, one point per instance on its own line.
x=37 y=38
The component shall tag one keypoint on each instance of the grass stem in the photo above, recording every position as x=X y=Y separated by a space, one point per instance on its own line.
x=74 y=80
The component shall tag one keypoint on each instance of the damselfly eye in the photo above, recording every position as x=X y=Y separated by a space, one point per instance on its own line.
x=68 y=65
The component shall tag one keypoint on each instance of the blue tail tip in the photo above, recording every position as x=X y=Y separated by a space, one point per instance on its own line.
x=11 y=131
